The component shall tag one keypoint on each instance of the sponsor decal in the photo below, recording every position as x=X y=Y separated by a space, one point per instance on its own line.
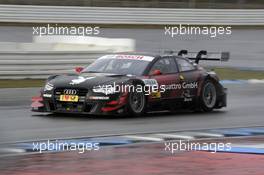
x=181 y=77
x=131 y=57
x=193 y=85
x=48 y=87
x=150 y=82
x=186 y=95
x=69 y=98
x=155 y=95
x=184 y=85
x=98 y=98
x=79 y=80
x=105 y=89
x=47 y=95
x=211 y=72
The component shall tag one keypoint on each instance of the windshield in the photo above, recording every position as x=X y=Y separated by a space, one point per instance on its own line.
x=118 y=66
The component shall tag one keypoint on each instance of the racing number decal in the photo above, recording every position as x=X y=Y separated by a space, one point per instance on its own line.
x=69 y=98
x=156 y=94
x=154 y=87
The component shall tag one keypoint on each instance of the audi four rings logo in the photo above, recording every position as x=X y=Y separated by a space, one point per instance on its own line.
x=70 y=91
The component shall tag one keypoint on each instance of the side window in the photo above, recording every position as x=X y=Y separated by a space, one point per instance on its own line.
x=165 y=65
x=184 y=65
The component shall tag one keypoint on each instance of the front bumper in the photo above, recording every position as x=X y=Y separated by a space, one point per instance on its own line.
x=83 y=106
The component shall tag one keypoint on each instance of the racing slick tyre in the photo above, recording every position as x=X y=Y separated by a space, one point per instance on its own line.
x=208 y=96
x=136 y=103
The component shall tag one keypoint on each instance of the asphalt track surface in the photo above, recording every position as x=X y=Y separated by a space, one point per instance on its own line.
x=18 y=123
x=245 y=45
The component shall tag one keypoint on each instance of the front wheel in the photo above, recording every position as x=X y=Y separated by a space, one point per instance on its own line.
x=136 y=103
x=208 y=96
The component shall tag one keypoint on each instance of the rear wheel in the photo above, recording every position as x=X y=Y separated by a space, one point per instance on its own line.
x=136 y=103
x=208 y=96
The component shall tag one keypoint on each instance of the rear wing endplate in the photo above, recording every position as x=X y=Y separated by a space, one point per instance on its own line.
x=204 y=55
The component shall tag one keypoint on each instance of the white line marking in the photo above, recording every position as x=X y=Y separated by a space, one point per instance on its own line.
x=255 y=81
x=176 y=136
x=203 y=134
x=259 y=146
x=143 y=138
x=13 y=150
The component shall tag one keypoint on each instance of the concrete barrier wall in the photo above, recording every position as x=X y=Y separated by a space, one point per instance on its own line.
x=86 y=43
x=55 y=54
x=111 y=15
x=21 y=65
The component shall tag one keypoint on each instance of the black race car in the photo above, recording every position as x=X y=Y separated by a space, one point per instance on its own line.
x=130 y=83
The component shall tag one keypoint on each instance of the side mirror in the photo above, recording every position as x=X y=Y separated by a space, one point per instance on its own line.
x=78 y=69
x=156 y=72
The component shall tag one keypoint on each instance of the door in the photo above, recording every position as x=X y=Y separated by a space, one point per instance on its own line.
x=167 y=78
x=189 y=78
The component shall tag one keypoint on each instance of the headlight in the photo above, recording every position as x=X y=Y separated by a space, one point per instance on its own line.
x=48 y=87
x=105 y=90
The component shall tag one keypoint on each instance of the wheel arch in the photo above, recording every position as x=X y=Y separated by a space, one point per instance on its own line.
x=212 y=79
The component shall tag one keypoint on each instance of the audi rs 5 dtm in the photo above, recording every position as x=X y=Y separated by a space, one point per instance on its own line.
x=132 y=84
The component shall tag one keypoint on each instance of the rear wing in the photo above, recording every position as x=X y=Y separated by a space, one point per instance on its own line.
x=204 y=55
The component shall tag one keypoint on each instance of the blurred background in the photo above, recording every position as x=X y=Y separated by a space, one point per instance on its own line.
x=26 y=59
x=231 y=4
x=129 y=25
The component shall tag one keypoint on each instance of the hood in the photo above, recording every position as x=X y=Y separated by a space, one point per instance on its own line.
x=87 y=80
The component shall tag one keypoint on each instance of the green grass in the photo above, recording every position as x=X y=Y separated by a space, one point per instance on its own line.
x=223 y=73
x=233 y=74
x=21 y=83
